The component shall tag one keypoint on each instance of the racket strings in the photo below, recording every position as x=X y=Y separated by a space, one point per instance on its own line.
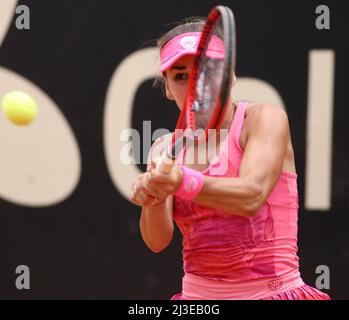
x=209 y=83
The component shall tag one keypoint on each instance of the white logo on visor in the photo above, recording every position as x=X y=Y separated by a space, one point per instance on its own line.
x=188 y=42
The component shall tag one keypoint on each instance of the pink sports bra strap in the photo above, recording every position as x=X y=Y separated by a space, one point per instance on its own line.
x=237 y=124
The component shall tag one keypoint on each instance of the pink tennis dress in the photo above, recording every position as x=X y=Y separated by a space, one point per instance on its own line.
x=227 y=256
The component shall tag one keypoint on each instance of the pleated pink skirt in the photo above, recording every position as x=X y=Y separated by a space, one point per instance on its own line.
x=304 y=292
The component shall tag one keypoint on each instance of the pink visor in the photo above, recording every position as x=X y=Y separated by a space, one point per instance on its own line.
x=187 y=43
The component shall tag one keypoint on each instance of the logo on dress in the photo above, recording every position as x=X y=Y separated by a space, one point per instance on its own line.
x=275 y=284
x=188 y=42
x=191 y=185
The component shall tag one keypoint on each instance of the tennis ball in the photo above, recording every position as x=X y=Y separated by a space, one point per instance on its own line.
x=19 y=107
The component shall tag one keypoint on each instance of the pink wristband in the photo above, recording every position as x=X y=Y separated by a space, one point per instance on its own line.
x=191 y=185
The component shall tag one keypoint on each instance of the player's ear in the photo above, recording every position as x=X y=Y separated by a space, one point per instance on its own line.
x=169 y=94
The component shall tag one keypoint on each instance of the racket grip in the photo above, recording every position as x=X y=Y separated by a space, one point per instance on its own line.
x=166 y=162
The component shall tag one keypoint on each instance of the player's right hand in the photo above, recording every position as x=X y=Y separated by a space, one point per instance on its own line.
x=140 y=196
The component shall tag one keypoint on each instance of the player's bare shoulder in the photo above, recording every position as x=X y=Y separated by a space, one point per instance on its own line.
x=259 y=113
x=258 y=109
x=262 y=114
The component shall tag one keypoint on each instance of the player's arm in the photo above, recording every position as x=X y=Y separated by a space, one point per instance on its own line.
x=156 y=222
x=261 y=165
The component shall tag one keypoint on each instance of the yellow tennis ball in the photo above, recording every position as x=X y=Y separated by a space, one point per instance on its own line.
x=19 y=107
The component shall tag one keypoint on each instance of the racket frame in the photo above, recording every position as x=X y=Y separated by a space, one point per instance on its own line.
x=186 y=120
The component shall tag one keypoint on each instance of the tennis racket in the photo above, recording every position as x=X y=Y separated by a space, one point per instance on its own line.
x=209 y=86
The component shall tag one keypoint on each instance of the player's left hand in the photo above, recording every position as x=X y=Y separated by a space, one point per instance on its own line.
x=161 y=185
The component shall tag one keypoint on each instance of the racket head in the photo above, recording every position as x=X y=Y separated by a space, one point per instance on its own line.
x=211 y=76
x=210 y=80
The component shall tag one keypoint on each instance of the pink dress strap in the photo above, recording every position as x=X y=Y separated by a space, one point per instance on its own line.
x=235 y=132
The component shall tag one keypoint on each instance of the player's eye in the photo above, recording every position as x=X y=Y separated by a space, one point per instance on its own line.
x=181 y=76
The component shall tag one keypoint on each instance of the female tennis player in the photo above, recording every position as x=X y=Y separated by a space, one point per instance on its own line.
x=239 y=222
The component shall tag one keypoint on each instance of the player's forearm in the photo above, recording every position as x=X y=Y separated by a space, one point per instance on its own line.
x=239 y=196
x=156 y=227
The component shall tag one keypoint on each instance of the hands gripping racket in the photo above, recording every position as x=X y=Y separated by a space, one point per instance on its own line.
x=209 y=85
